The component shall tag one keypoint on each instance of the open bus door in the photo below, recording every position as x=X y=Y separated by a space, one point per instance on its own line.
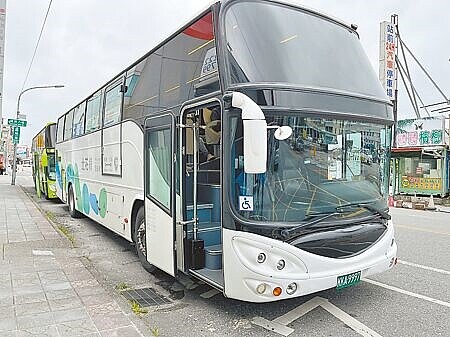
x=160 y=202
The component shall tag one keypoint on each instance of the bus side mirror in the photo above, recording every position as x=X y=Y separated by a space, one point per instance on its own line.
x=255 y=133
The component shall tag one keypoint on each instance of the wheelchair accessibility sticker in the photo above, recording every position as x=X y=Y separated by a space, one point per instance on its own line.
x=245 y=203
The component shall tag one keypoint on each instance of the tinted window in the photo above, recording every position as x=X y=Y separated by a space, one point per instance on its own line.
x=113 y=102
x=78 y=120
x=60 y=131
x=186 y=67
x=142 y=95
x=159 y=165
x=93 y=113
x=189 y=66
x=274 y=43
x=50 y=135
x=68 y=125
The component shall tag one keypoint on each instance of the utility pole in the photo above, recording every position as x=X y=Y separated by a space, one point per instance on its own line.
x=13 y=179
x=2 y=52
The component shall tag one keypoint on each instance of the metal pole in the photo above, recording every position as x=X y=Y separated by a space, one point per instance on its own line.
x=195 y=172
x=394 y=21
x=13 y=174
x=13 y=178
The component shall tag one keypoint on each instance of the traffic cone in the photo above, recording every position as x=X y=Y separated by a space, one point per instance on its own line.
x=431 y=206
x=391 y=201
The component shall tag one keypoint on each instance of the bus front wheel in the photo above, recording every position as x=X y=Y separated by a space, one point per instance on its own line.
x=139 y=237
x=72 y=210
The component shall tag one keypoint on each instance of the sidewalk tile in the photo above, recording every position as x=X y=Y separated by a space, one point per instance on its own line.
x=70 y=315
x=35 y=320
x=57 y=286
x=44 y=331
x=65 y=303
x=86 y=291
x=96 y=299
x=28 y=290
x=128 y=331
x=7 y=311
x=6 y=301
x=32 y=308
x=59 y=294
x=110 y=321
x=76 y=328
x=29 y=298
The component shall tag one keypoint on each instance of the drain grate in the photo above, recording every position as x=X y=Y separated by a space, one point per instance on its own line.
x=145 y=297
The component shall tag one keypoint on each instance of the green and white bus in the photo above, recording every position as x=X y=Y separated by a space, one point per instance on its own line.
x=43 y=156
x=231 y=152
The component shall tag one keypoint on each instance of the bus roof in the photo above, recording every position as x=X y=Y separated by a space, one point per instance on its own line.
x=198 y=15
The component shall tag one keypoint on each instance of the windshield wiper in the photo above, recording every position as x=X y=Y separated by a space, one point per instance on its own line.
x=287 y=234
x=290 y=233
x=384 y=214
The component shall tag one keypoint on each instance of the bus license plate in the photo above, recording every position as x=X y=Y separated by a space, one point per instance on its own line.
x=348 y=280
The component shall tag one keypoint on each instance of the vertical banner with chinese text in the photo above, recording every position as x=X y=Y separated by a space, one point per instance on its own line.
x=387 y=70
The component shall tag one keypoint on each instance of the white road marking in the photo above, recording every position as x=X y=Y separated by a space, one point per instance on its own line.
x=437 y=270
x=298 y=312
x=272 y=326
x=279 y=325
x=210 y=293
x=409 y=293
x=421 y=229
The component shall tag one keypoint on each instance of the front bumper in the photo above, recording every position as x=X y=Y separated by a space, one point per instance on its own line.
x=311 y=273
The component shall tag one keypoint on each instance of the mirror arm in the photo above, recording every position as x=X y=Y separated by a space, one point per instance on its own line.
x=250 y=110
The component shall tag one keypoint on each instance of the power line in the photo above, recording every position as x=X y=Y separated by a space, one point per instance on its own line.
x=37 y=45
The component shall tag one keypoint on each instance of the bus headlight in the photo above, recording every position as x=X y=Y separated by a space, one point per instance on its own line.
x=261 y=258
x=261 y=288
x=52 y=188
x=280 y=265
x=291 y=288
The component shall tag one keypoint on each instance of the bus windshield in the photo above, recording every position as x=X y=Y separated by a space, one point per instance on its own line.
x=277 y=43
x=324 y=164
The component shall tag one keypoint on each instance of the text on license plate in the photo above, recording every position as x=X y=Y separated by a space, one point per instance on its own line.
x=348 y=280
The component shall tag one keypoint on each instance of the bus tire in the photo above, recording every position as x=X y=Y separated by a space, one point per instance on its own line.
x=139 y=238
x=71 y=200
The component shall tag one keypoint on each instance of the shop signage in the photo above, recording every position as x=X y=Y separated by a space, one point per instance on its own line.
x=420 y=132
x=387 y=58
x=420 y=184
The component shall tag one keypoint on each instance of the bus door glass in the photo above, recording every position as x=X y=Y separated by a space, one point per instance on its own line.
x=201 y=207
x=159 y=191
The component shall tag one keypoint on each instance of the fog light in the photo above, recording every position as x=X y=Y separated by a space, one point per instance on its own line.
x=261 y=288
x=281 y=264
x=261 y=258
x=277 y=291
x=291 y=288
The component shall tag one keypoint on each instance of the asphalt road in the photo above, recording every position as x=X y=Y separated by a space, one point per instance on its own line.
x=413 y=299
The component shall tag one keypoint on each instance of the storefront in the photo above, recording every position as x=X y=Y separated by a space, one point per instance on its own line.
x=420 y=164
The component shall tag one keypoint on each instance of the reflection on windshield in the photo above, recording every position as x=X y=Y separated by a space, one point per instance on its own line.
x=325 y=163
x=268 y=42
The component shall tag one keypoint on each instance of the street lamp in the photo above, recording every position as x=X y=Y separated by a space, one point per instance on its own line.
x=13 y=180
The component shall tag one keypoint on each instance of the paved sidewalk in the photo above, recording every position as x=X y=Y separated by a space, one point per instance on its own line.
x=45 y=290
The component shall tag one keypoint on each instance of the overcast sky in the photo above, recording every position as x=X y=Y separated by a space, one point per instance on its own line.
x=86 y=42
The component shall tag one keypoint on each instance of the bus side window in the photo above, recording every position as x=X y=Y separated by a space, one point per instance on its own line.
x=60 y=131
x=68 y=125
x=113 y=102
x=93 y=112
x=78 y=120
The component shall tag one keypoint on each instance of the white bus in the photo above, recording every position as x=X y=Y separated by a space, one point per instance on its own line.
x=231 y=152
